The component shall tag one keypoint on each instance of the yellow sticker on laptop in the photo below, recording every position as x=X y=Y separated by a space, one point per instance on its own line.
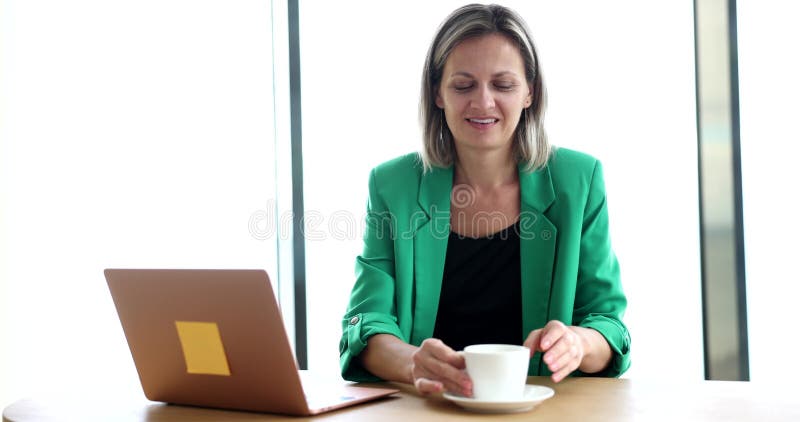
x=202 y=348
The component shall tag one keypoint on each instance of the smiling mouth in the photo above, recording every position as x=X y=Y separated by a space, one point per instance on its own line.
x=482 y=121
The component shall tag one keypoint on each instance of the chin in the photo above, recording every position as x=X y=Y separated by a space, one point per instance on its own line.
x=484 y=145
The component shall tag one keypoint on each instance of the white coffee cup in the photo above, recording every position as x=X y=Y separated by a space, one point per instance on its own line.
x=498 y=371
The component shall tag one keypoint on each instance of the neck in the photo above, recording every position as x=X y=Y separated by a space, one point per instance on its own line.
x=485 y=170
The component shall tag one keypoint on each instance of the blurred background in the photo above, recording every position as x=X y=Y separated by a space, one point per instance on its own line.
x=196 y=134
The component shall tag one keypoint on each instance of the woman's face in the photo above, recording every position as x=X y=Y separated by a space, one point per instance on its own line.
x=483 y=92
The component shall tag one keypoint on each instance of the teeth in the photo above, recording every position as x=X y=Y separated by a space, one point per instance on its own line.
x=483 y=121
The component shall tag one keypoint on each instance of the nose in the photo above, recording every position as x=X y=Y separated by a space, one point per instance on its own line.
x=483 y=98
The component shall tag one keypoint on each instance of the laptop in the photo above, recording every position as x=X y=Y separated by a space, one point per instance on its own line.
x=215 y=338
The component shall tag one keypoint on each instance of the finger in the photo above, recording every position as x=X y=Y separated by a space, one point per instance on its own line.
x=551 y=332
x=444 y=353
x=427 y=386
x=419 y=371
x=454 y=380
x=444 y=362
x=563 y=373
x=446 y=384
x=561 y=347
x=427 y=365
x=570 y=358
x=532 y=342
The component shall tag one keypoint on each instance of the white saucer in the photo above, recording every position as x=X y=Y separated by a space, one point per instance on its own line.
x=534 y=394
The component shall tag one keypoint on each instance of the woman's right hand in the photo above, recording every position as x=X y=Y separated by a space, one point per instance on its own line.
x=436 y=368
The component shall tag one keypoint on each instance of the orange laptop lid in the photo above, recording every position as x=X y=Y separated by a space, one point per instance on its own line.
x=215 y=338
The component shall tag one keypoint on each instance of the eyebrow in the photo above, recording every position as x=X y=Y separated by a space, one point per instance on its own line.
x=494 y=75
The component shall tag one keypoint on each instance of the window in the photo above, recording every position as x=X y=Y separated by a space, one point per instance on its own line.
x=769 y=89
x=620 y=76
x=134 y=134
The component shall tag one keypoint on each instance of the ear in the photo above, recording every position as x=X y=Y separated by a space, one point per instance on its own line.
x=439 y=100
x=528 y=98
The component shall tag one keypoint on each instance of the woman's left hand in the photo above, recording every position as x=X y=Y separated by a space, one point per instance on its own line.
x=562 y=345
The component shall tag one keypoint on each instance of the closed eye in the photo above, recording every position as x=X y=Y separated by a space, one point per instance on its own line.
x=505 y=87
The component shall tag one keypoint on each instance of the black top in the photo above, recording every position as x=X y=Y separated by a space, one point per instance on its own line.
x=481 y=297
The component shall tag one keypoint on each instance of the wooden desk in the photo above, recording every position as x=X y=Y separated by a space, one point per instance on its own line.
x=576 y=399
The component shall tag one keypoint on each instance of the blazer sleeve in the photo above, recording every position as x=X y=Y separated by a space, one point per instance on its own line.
x=600 y=302
x=372 y=308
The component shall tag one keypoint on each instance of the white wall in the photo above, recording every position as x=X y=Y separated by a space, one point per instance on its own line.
x=769 y=89
x=620 y=76
x=141 y=134
x=133 y=134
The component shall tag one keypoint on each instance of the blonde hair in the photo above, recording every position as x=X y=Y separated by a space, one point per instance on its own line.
x=530 y=143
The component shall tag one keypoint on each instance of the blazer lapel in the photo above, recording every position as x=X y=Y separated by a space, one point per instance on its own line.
x=537 y=249
x=430 y=249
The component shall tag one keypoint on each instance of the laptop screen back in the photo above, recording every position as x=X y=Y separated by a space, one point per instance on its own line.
x=210 y=338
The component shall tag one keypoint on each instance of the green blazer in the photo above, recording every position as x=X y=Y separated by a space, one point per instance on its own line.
x=569 y=271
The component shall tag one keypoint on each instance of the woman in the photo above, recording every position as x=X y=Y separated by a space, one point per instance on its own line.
x=489 y=236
